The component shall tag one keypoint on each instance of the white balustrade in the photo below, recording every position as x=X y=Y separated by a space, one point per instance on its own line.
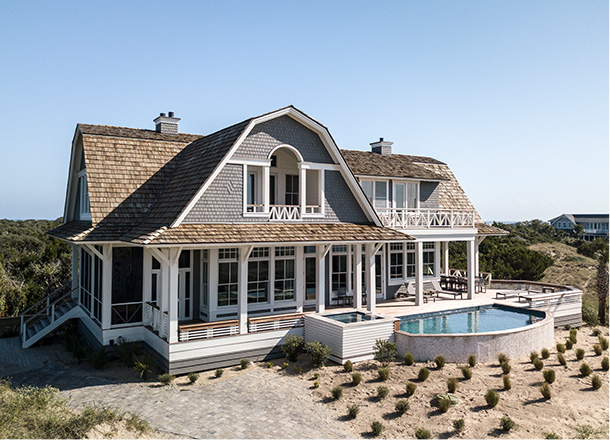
x=404 y=218
x=284 y=212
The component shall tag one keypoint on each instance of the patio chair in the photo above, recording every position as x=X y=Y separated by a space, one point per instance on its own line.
x=436 y=286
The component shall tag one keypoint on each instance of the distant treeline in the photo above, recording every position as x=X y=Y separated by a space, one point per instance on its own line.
x=32 y=264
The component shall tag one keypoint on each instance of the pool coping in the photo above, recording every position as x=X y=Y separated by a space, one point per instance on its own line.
x=379 y=318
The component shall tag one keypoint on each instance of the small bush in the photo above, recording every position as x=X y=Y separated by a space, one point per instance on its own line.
x=385 y=351
x=561 y=348
x=538 y=364
x=382 y=392
x=580 y=354
x=567 y=327
x=472 y=361
x=605 y=363
x=410 y=389
x=459 y=425
x=316 y=376
x=127 y=352
x=597 y=332
x=589 y=314
x=569 y=344
x=423 y=374
x=505 y=367
x=544 y=353
x=98 y=360
x=545 y=390
x=551 y=435
x=348 y=366
x=402 y=406
x=533 y=356
x=166 y=378
x=466 y=372
x=506 y=382
x=298 y=370
x=337 y=392
x=269 y=365
x=561 y=358
x=219 y=372
x=506 y=424
x=603 y=342
x=193 y=377
x=244 y=363
x=492 y=398
x=443 y=405
x=409 y=360
x=585 y=370
x=573 y=338
x=452 y=383
x=440 y=362
x=316 y=384
x=143 y=365
x=356 y=378
x=384 y=373
x=318 y=353
x=285 y=366
x=421 y=433
x=292 y=346
x=596 y=382
x=597 y=348
x=377 y=428
x=352 y=411
x=502 y=358
x=549 y=376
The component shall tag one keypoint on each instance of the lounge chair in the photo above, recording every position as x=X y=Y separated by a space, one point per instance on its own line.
x=435 y=285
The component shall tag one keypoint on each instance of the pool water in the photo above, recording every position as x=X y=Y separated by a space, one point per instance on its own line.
x=472 y=320
x=348 y=318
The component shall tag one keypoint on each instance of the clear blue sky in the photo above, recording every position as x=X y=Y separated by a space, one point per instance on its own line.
x=512 y=95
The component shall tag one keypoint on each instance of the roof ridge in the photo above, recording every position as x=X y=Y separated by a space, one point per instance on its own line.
x=399 y=154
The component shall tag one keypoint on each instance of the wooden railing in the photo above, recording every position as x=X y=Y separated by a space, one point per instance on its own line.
x=405 y=218
x=207 y=330
x=276 y=322
x=50 y=306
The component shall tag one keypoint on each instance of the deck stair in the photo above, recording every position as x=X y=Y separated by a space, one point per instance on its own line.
x=47 y=315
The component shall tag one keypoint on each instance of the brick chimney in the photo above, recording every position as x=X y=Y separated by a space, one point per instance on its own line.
x=382 y=147
x=166 y=124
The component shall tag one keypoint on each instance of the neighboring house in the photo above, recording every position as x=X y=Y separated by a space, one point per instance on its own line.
x=180 y=239
x=594 y=225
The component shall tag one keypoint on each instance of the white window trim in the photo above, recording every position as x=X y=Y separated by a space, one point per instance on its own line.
x=405 y=182
x=83 y=187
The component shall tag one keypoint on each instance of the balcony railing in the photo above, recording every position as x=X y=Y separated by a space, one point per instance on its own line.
x=208 y=330
x=403 y=218
x=284 y=212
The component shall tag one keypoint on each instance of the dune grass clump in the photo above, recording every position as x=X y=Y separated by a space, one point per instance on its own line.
x=538 y=364
x=439 y=361
x=506 y=382
x=605 y=363
x=466 y=372
x=545 y=389
x=549 y=376
x=348 y=366
x=507 y=424
x=603 y=342
x=569 y=344
x=533 y=356
x=382 y=392
x=244 y=363
x=561 y=359
x=545 y=353
x=596 y=382
x=585 y=370
x=402 y=406
x=337 y=392
x=452 y=383
x=580 y=354
x=377 y=428
x=409 y=360
x=384 y=373
x=356 y=378
x=219 y=372
x=492 y=398
x=443 y=405
x=166 y=378
x=421 y=433
x=597 y=348
x=192 y=376
x=561 y=348
x=316 y=385
x=352 y=411
x=423 y=374
x=459 y=425
x=573 y=333
x=505 y=367
x=472 y=361
x=410 y=389
x=502 y=358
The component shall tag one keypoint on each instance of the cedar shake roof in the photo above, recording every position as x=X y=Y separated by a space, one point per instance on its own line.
x=364 y=163
x=485 y=229
x=136 y=133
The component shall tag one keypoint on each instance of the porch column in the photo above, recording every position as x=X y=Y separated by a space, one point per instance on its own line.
x=242 y=291
x=266 y=186
x=321 y=252
x=302 y=188
x=437 y=259
x=472 y=255
x=299 y=277
x=419 y=273
x=358 y=276
x=107 y=287
x=370 y=287
x=477 y=241
x=172 y=312
x=446 y=257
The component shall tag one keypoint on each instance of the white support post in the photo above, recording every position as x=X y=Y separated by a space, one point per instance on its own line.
x=299 y=277
x=75 y=280
x=446 y=257
x=478 y=240
x=146 y=277
x=370 y=287
x=321 y=252
x=437 y=259
x=107 y=287
x=174 y=256
x=242 y=291
x=266 y=188
x=471 y=255
x=302 y=189
x=358 y=275
x=419 y=273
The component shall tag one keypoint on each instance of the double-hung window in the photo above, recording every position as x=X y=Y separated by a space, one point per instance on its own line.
x=228 y=272
x=377 y=192
x=258 y=276
x=396 y=261
x=284 y=273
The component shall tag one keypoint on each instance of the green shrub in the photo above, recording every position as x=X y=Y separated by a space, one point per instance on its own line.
x=561 y=348
x=472 y=361
x=538 y=364
x=384 y=373
x=544 y=353
x=166 y=378
x=596 y=382
x=423 y=374
x=382 y=392
x=377 y=428
x=356 y=378
x=193 y=377
x=410 y=389
x=285 y=366
x=466 y=372
x=244 y=363
x=409 y=360
x=348 y=366
x=561 y=358
x=549 y=376
x=573 y=334
x=605 y=363
x=506 y=382
x=505 y=367
x=269 y=365
x=316 y=376
x=402 y=406
x=452 y=383
x=143 y=365
x=421 y=433
x=589 y=314
x=580 y=354
x=443 y=405
x=316 y=384
x=585 y=370
x=298 y=370
x=219 y=372
x=318 y=353
x=567 y=327
x=603 y=342
x=545 y=389
x=551 y=435
x=569 y=344
x=385 y=351
x=337 y=392
x=459 y=425
x=533 y=356
x=506 y=424
x=440 y=362
x=352 y=411
x=597 y=332
x=502 y=358
x=492 y=398
x=292 y=346
x=597 y=348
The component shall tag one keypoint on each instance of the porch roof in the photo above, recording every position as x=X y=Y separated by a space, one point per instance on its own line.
x=485 y=229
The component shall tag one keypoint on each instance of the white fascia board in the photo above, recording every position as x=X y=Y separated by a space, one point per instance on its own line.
x=401 y=179
x=269 y=244
x=453 y=234
x=320 y=166
x=251 y=162
x=71 y=170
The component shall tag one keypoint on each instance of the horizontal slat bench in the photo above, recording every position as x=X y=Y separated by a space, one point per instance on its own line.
x=275 y=322
x=207 y=330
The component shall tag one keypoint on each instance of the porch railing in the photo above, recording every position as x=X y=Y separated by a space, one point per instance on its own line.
x=207 y=330
x=485 y=276
x=405 y=218
x=277 y=322
x=284 y=212
x=152 y=316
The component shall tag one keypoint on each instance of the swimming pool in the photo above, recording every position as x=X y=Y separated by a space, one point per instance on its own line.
x=350 y=317
x=482 y=319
